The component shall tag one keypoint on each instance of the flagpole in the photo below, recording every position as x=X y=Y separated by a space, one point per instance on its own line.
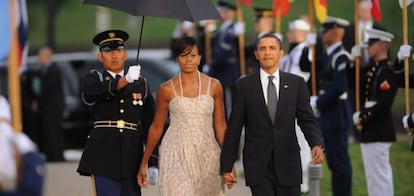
x=357 y=60
x=277 y=20
x=312 y=49
x=241 y=40
x=13 y=72
x=406 y=66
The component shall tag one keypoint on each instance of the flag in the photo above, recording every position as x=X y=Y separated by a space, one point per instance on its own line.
x=376 y=10
x=321 y=10
x=19 y=27
x=282 y=5
x=248 y=3
x=4 y=33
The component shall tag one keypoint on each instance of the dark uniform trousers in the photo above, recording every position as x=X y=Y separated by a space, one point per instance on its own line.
x=114 y=147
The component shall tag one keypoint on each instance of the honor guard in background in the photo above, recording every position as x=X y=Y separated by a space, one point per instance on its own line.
x=123 y=109
x=296 y=36
x=263 y=23
x=225 y=58
x=333 y=105
x=378 y=89
x=365 y=22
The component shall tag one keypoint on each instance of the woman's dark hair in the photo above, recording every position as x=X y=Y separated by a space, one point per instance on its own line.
x=184 y=45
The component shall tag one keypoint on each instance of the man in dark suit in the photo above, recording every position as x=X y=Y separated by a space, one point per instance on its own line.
x=51 y=107
x=123 y=109
x=267 y=104
x=378 y=89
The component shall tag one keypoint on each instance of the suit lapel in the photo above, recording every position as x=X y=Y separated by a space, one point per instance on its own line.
x=283 y=94
x=257 y=91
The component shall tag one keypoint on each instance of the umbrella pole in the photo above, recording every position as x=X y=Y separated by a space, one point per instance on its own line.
x=140 y=36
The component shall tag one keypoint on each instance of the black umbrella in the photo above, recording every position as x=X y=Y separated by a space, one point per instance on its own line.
x=189 y=10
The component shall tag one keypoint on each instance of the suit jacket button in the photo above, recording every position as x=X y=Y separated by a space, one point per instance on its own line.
x=121 y=111
x=121 y=130
x=121 y=101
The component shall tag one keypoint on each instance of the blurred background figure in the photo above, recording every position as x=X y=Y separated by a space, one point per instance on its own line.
x=51 y=107
x=333 y=104
x=379 y=87
x=263 y=23
x=297 y=37
x=23 y=176
x=181 y=29
x=365 y=22
x=225 y=58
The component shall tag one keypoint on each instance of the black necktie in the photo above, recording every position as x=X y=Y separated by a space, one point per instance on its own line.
x=271 y=98
x=117 y=76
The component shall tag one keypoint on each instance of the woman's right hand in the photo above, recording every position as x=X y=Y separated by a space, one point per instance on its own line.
x=142 y=176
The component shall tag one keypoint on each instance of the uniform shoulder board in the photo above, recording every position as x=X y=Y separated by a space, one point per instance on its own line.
x=92 y=71
x=343 y=65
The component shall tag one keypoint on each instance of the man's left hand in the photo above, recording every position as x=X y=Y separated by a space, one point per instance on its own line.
x=317 y=155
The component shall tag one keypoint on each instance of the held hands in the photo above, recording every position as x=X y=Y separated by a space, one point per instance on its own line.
x=317 y=155
x=230 y=178
x=404 y=52
x=133 y=74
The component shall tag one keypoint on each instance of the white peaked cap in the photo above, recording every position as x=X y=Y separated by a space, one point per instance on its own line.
x=379 y=34
x=299 y=24
x=409 y=3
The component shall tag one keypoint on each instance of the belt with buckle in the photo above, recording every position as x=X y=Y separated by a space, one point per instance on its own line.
x=120 y=124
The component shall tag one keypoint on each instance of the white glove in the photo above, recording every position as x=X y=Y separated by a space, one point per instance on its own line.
x=187 y=25
x=24 y=144
x=310 y=39
x=404 y=52
x=279 y=35
x=313 y=100
x=405 y=121
x=153 y=175
x=355 y=118
x=355 y=52
x=239 y=28
x=133 y=73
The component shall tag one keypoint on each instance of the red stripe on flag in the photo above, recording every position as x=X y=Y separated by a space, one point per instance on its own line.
x=283 y=5
x=248 y=3
x=376 y=10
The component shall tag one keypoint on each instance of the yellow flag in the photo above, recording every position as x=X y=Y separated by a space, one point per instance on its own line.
x=321 y=10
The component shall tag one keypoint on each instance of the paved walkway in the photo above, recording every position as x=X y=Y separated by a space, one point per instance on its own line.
x=62 y=180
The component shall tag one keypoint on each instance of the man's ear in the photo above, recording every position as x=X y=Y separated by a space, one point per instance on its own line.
x=126 y=55
x=99 y=56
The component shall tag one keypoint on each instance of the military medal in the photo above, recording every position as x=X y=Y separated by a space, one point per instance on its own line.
x=137 y=99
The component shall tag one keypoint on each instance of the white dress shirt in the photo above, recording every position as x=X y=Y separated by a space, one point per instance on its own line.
x=264 y=80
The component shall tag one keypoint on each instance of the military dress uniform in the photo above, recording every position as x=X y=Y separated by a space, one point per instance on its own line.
x=378 y=90
x=114 y=147
x=335 y=112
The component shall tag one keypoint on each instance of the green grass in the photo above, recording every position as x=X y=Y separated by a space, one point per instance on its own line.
x=402 y=160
